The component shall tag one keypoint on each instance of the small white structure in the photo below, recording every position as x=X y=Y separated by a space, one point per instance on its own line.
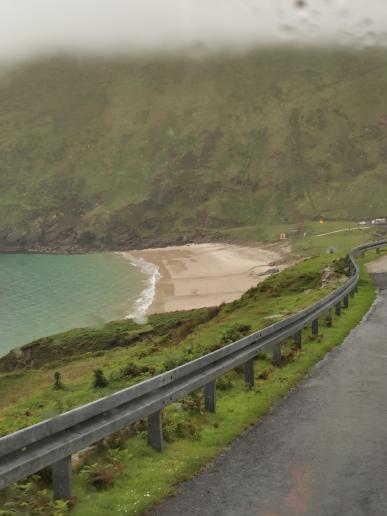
x=375 y=222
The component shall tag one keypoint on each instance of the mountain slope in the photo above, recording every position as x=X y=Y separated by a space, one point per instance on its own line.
x=126 y=152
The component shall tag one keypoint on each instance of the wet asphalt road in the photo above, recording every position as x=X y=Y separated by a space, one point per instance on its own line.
x=321 y=452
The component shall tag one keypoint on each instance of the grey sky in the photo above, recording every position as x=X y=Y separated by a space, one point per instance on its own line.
x=29 y=27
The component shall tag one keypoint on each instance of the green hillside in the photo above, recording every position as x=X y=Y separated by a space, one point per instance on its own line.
x=110 y=153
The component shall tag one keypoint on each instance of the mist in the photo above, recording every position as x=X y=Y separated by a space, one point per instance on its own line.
x=37 y=27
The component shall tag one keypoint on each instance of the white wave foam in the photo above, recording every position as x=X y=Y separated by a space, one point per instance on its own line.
x=146 y=298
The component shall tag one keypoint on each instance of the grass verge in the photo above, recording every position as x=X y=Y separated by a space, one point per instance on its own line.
x=149 y=477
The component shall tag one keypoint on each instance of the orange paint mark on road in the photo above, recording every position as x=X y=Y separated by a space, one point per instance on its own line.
x=297 y=498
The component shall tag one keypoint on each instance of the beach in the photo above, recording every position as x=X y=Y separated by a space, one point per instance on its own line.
x=202 y=275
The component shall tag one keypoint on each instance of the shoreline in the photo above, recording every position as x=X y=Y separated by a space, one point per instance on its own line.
x=208 y=274
x=139 y=244
x=195 y=274
x=136 y=244
x=145 y=300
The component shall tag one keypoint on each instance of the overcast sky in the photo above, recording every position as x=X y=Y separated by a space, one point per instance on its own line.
x=29 y=27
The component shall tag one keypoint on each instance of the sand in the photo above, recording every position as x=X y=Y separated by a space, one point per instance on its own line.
x=202 y=275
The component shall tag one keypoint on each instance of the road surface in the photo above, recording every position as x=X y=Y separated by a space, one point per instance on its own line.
x=341 y=231
x=322 y=451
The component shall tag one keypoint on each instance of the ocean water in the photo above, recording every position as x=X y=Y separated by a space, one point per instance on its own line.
x=42 y=294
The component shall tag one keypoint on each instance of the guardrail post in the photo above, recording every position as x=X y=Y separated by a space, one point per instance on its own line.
x=61 y=479
x=346 y=301
x=378 y=250
x=276 y=354
x=352 y=293
x=249 y=372
x=315 y=327
x=298 y=339
x=210 y=396
x=338 y=308
x=155 y=431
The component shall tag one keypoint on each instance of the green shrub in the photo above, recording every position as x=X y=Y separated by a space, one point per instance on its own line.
x=102 y=475
x=224 y=383
x=174 y=360
x=264 y=374
x=118 y=440
x=179 y=427
x=193 y=403
x=236 y=332
x=187 y=430
x=131 y=370
x=99 y=380
x=58 y=385
x=342 y=265
x=27 y=499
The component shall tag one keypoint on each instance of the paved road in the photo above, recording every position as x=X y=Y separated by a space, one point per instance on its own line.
x=341 y=231
x=321 y=452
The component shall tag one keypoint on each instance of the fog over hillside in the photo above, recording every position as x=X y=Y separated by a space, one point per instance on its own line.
x=30 y=27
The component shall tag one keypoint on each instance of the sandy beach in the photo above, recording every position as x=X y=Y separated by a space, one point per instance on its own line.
x=199 y=275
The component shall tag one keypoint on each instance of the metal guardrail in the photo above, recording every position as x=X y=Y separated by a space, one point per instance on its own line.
x=52 y=442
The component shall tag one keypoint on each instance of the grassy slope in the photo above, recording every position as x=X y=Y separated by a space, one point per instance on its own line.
x=169 y=340
x=117 y=152
x=193 y=436
x=152 y=476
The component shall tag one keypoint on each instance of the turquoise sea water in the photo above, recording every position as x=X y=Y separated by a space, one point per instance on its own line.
x=42 y=294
